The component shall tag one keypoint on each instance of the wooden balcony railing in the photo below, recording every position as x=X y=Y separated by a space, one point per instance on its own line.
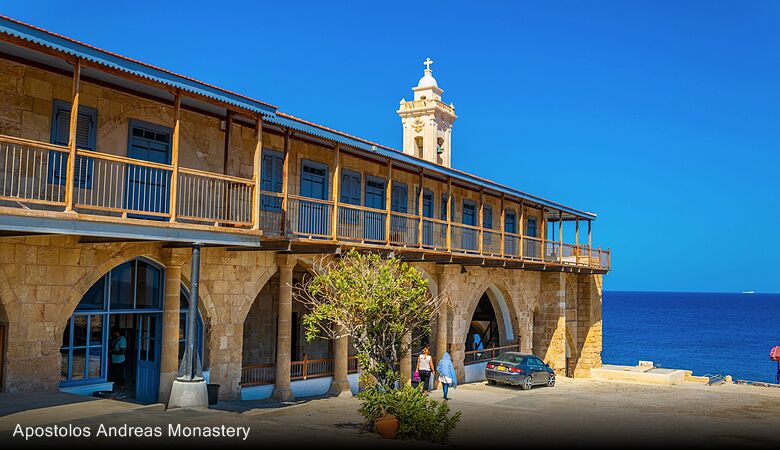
x=33 y=175
x=260 y=374
x=478 y=356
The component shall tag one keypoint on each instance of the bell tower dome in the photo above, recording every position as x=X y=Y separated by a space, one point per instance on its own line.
x=427 y=121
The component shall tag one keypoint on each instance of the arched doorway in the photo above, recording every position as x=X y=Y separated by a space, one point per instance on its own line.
x=126 y=304
x=484 y=331
x=309 y=359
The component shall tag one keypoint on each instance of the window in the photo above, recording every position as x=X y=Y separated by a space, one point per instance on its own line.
x=314 y=180
x=469 y=213
x=469 y=235
x=350 y=187
x=399 y=197
x=82 y=348
x=86 y=137
x=510 y=226
x=271 y=179
x=487 y=216
x=375 y=193
x=531 y=227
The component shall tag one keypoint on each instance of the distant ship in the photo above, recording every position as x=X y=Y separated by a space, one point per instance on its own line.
x=748 y=292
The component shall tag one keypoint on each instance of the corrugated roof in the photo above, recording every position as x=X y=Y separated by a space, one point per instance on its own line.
x=294 y=123
x=105 y=58
x=96 y=55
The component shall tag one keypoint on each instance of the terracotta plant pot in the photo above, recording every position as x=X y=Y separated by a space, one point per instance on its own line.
x=387 y=426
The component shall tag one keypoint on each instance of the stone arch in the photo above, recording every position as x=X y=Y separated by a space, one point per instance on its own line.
x=80 y=288
x=503 y=307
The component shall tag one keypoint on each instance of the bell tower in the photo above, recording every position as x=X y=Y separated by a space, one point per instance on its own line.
x=427 y=121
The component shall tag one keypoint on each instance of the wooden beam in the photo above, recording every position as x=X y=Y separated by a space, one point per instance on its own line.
x=257 y=166
x=560 y=236
x=420 y=210
x=577 y=236
x=226 y=152
x=521 y=228
x=502 y=225
x=285 y=181
x=336 y=188
x=449 y=214
x=388 y=199
x=70 y=173
x=480 y=221
x=175 y=155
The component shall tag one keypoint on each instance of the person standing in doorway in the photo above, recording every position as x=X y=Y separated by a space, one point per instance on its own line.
x=447 y=376
x=116 y=371
x=425 y=368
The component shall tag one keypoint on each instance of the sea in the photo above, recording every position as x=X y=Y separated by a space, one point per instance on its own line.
x=709 y=333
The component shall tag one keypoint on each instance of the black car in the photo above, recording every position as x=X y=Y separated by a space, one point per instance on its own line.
x=519 y=369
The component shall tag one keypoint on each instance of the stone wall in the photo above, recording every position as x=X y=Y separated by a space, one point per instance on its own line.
x=28 y=97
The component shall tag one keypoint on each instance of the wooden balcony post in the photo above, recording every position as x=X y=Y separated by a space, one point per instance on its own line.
x=420 y=211
x=336 y=179
x=256 y=172
x=388 y=199
x=70 y=174
x=175 y=156
x=590 y=243
x=560 y=236
x=285 y=181
x=449 y=214
x=577 y=237
x=543 y=225
x=502 y=225
x=521 y=227
x=480 y=220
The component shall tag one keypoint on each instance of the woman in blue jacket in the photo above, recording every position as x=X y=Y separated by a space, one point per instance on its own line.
x=447 y=374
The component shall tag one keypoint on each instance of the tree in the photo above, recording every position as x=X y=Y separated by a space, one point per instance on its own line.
x=376 y=301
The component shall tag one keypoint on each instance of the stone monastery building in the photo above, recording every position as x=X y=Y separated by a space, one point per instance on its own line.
x=114 y=174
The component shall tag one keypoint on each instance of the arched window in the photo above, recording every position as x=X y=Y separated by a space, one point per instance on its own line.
x=129 y=297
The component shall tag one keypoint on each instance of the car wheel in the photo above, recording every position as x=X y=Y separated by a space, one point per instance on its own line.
x=551 y=381
x=527 y=384
x=492 y=382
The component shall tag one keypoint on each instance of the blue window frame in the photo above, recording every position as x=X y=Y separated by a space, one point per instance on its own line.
x=469 y=237
x=399 y=197
x=272 y=167
x=148 y=187
x=350 y=188
x=314 y=179
x=313 y=217
x=427 y=211
x=86 y=138
x=139 y=284
x=510 y=226
x=531 y=227
x=487 y=216
x=374 y=223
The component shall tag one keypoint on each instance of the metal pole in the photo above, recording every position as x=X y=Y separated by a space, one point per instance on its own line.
x=191 y=369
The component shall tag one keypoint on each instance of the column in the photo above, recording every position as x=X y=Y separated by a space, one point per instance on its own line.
x=175 y=156
x=340 y=385
x=406 y=361
x=169 y=351
x=70 y=167
x=447 y=278
x=282 y=391
x=257 y=162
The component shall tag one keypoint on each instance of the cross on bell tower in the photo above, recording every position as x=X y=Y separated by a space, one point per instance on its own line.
x=427 y=121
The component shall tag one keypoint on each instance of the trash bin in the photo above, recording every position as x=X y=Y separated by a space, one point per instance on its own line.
x=213 y=393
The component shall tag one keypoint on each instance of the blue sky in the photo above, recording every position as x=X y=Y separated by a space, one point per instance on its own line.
x=662 y=117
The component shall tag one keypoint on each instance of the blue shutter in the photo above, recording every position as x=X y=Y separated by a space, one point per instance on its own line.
x=399 y=198
x=271 y=179
x=350 y=188
x=487 y=216
x=510 y=222
x=86 y=137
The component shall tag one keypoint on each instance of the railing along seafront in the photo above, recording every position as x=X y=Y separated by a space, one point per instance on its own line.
x=259 y=374
x=478 y=356
x=34 y=175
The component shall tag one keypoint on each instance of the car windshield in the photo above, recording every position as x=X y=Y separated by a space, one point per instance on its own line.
x=510 y=358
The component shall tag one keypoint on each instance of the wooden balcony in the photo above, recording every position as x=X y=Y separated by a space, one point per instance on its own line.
x=34 y=180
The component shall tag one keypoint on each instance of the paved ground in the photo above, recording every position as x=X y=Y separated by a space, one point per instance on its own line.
x=580 y=412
